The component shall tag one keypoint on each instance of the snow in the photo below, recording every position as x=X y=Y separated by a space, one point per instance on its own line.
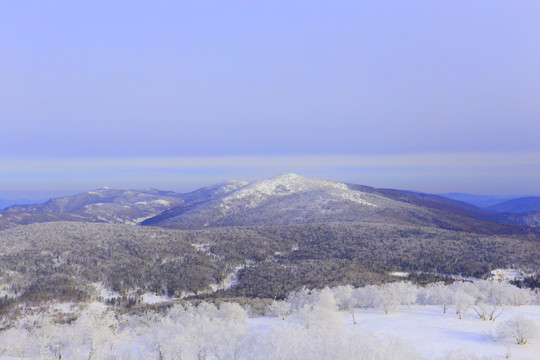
x=204 y=247
x=104 y=292
x=288 y=184
x=422 y=330
x=401 y=274
x=431 y=332
x=154 y=299
x=156 y=202
x=507 y=274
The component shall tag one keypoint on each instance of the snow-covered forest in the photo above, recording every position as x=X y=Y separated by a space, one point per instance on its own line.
x=465 y=320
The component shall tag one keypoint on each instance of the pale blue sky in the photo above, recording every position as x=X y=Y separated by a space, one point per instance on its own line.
x=315 y=87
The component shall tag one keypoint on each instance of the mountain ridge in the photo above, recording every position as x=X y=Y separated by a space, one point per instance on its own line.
x=519 y=205
x=281 y=200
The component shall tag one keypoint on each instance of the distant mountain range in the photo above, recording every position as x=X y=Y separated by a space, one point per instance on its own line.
x=112 y=205
x=283 y=200
x=4 y=203
x=481 y=201
x=272 y=236
x=515 y=206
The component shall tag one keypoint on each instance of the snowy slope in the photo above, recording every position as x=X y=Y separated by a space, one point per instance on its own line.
x=425 y=330
x=262 y=191
x=291 y=199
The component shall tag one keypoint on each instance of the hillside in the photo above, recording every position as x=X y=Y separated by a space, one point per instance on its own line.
x=292 y=199
x=109 y=205
x=520 y=205
x=481 y=201
x=283 y=200
x=61 y=260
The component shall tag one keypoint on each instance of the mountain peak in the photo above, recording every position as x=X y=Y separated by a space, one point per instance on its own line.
x=288 y=184
x=288 y=176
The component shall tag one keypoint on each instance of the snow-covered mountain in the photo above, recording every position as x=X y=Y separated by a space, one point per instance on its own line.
x=113 y=205
x=293 y=199
x=107 y=205
x=282 y=200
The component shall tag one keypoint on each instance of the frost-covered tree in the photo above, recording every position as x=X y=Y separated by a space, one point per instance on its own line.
x=279 y=308
x=397 y=293
x=49 y=339
x=464 y=295
x=519 y=328
x=297 y=299
x=492 y=296
x=500 y=293
x=320 y=311
x=368 y=296
x=462 y=302
x=200 y=332
x=346 y=299
x=231 y=327
x=439 y=294
x=96 y=330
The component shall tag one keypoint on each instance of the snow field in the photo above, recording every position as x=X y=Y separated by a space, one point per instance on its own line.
x=387 y=322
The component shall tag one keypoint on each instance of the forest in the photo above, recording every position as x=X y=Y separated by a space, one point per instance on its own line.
x=65 y=260
x=309 y=323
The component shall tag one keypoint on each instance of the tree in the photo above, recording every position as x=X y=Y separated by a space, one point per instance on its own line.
x=520 y=328
x=462 y=302
x=394 y=294
x=97 y=332
x=368 y=296
x=440 y=294
x=487 y=311
x=321 y=311
x=50 y=340
x=297 y=299
x=464 y=295
x=280 y=308
x=346 y=300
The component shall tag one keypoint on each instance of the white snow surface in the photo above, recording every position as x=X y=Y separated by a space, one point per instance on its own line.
x=425 y=330
x=259 y=191
x=154 y=299
x=400 y=274
x=432 y=333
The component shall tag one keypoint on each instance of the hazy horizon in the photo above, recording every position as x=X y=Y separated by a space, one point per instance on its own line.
x=429 y=173
x=425 y=96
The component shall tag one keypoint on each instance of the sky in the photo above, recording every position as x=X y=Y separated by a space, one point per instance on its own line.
x=434 y=96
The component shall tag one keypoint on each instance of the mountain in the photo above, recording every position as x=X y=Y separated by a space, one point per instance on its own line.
x=4 y=203
x=283 y=200
x=519 y=205
x=106 y=205
x=262 y=239
x=528 y=218
x=292 y=199
x=109 y=205
x=481 y=201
